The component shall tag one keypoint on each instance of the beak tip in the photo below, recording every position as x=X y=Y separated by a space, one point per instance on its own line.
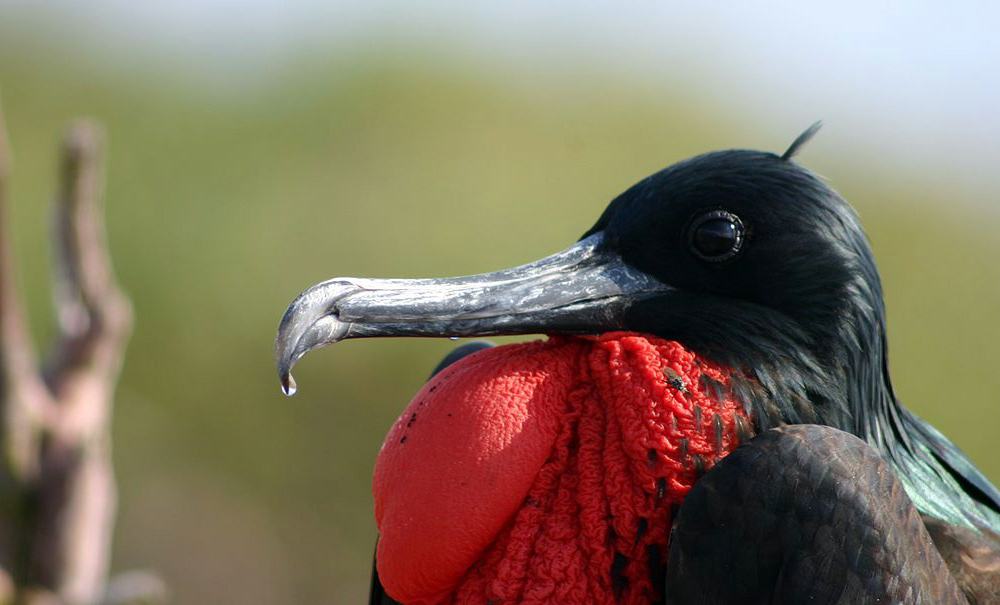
x=288 y=386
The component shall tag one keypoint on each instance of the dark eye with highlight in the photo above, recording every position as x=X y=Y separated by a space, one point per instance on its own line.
x=716 y=236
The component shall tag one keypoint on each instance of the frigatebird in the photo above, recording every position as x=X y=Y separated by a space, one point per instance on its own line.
x=752 y=264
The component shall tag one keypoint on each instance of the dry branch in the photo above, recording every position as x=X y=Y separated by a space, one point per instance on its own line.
x=57 y=489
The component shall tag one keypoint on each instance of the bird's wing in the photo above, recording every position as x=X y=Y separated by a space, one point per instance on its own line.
x=804 y=514
x=955 y=462
x=973 y=558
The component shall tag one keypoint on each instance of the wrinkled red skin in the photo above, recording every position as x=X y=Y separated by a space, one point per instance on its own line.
x=546 y=472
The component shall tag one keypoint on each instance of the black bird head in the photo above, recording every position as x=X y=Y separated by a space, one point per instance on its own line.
x=744 y=256
x=769 y=270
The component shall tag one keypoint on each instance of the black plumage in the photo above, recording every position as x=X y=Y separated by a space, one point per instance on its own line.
x=754 y=262
x=804 y=514
x=799 y=311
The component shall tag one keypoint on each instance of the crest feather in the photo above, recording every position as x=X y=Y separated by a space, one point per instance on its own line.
x=801 y=140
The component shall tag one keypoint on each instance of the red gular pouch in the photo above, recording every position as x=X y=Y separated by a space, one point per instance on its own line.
x=546 y=472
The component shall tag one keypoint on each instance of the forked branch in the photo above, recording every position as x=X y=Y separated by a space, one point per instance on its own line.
x=57 y=489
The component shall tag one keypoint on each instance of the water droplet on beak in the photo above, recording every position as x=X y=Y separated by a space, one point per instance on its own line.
x=288 y=386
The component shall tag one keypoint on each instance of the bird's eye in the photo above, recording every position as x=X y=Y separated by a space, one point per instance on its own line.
x=716 y=236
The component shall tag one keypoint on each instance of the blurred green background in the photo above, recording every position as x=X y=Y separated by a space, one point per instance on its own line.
x=227 y=194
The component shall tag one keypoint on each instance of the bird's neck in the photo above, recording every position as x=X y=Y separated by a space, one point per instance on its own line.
x=939 y=479
x=873 y=409
x=831 y=369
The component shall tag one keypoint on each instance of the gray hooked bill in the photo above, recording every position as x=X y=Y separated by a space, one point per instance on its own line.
x=586 y=288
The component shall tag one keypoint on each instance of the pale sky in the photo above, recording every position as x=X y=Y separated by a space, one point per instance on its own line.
x=912 y=82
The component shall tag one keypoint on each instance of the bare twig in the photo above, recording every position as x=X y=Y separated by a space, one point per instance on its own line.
x=77 y=495
x=22 y=396
x=22 y=393
x=94 y=315
x=57 y=490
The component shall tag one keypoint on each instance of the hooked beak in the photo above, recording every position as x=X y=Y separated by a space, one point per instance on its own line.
x=584 y=289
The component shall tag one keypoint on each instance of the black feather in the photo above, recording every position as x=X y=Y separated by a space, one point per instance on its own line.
x=801 y=140
x=798 y=314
